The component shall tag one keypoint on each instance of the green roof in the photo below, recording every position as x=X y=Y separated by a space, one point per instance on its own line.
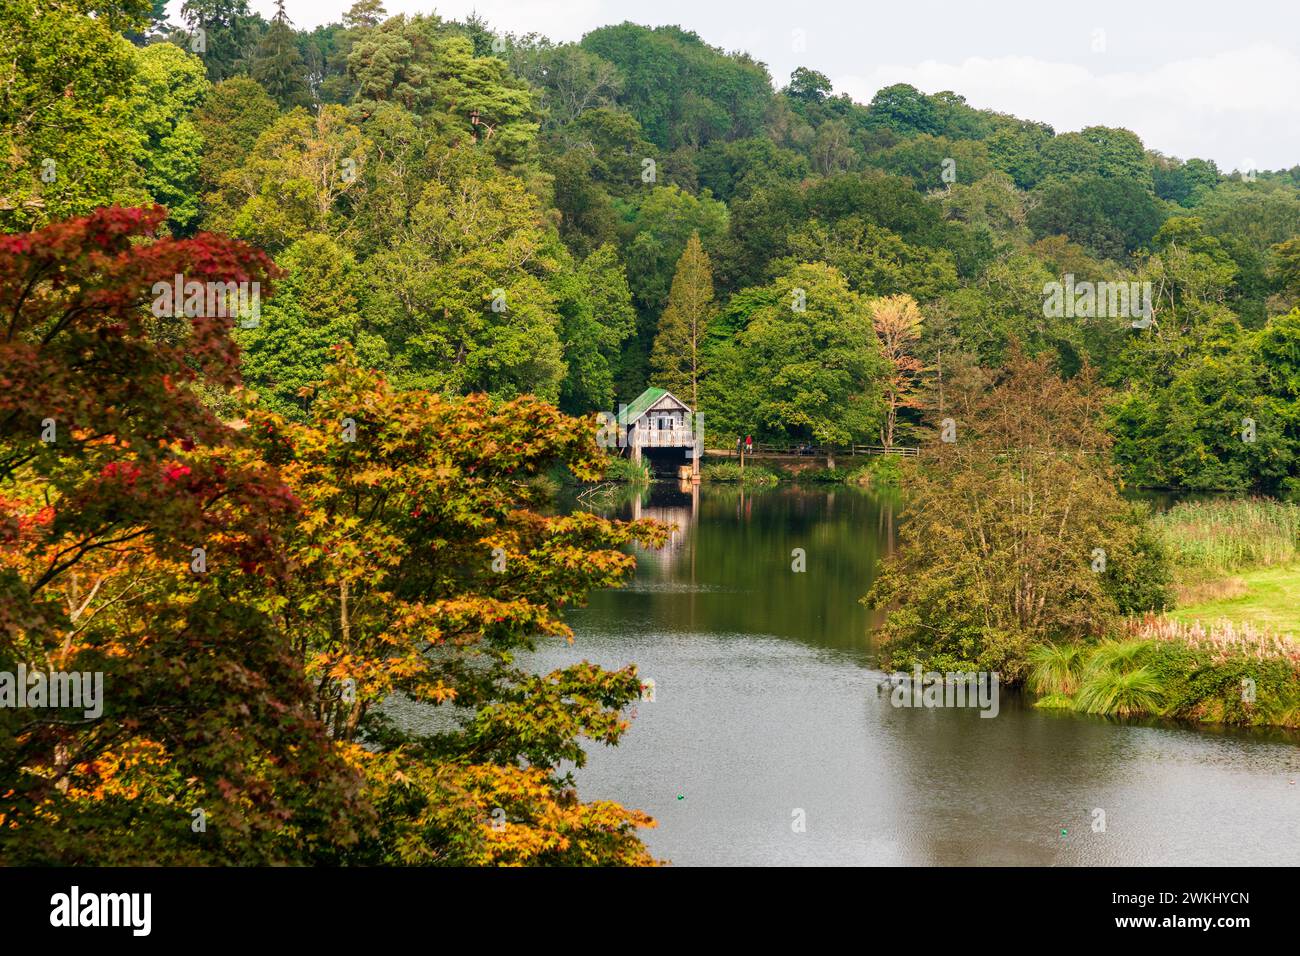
x=643 y=403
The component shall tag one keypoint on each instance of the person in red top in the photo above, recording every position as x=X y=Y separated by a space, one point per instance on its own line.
x=749 y=445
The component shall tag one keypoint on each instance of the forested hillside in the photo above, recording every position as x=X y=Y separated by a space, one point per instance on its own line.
x=480 y=211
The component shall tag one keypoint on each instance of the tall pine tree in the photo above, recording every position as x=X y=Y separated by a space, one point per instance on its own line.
x=222 y=32
x=277 y=65
x=676 y=356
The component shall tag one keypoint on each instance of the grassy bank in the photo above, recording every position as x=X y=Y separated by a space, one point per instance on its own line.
x=1236 y=562
x=885 y=471
x=882 y=472
x=730 y=471
x=1226 y=653
x=1266 y=598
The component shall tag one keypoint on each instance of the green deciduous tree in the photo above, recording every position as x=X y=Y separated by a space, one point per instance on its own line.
x=664 y=222
x=809 y=363
x=294 y=180
x=317 y=306
x=808 y=85
x=596 y=321
x=681 y=90
x=169 y=85
x=235 y=113
x=1110 y=217
x=462 y=297
x=570 y=80
x=875 y=260
x=70 y=141
x=423 y=66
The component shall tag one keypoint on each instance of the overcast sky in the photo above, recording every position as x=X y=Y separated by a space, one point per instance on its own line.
x=1191 y=78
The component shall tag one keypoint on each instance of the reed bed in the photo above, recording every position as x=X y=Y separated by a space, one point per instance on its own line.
x=1219 y=537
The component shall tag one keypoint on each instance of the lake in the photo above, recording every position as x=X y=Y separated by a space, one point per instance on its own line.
x=767 y=711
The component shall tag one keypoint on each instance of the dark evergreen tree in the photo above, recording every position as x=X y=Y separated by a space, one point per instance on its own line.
x=221 y=32
x=278 y=66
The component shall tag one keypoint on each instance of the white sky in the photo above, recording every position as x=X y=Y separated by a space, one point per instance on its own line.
x=1190 y=77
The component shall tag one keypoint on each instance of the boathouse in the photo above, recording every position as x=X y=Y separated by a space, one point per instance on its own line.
x=658 y=428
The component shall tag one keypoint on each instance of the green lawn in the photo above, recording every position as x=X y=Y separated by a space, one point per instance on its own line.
x=1271 y=601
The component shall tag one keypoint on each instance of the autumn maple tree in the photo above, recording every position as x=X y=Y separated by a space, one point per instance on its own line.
x=113 y=471
x=253 y=590
x=421 y=569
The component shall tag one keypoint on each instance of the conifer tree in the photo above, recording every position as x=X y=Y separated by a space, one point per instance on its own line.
x=676 y=357
x=277 y=65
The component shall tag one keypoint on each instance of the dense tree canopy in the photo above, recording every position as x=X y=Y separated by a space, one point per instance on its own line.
x=491 y=196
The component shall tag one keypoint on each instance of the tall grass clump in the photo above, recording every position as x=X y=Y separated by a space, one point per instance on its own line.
x=1116 y=656
x=627 y=471
x=1110 y=678
x=1219 y=537
x=1120 y=693
x=1165 y=668
x=1055 y=669
x=1115 y=683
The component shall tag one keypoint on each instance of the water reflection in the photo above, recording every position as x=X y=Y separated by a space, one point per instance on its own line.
x=738 y=545
x=766 y=704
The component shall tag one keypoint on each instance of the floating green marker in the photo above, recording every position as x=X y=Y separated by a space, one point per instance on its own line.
x=1064 y=832
x=680 y=797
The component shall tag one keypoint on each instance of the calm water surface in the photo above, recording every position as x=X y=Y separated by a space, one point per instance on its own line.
x=766 y=702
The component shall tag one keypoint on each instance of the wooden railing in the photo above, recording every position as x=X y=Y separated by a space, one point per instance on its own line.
x=801 y=450
x=662 y=437
x=907 y=450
